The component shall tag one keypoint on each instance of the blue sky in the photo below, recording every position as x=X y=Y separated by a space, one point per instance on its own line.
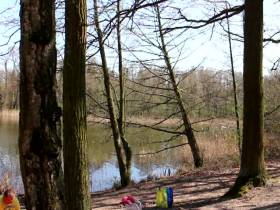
x=213 y=52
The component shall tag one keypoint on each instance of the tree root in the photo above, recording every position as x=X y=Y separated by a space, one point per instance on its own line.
x=243 y=184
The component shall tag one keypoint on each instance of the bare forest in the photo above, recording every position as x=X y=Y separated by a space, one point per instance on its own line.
x=186 y=92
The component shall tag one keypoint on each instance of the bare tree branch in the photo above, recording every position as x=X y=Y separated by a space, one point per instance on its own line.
x=162 y=150
x=226 y=13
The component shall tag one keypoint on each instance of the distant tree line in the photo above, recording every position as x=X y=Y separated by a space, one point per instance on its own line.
x=207 y=92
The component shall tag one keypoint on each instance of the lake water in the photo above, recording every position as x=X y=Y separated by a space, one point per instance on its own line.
x=103 y=165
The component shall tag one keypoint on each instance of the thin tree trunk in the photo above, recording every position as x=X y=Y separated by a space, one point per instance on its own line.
x=124 y=173
x=5 y=98
x=252 y=169
x=76 y=167
x=197 y=156
x=127 y=149
x=39 y=143
x=6 y=75
x=121 y=75
x=234 y=90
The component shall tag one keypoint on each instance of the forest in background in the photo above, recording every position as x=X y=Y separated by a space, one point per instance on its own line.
x=207 y=93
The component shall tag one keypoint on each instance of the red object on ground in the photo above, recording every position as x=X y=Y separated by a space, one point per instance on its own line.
x=8 y=199
x=131 y=198
x=127 y=200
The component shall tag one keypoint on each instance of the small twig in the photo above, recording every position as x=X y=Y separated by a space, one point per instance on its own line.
x=161 y=150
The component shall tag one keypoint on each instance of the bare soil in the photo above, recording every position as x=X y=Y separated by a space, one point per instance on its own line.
x=198 y=190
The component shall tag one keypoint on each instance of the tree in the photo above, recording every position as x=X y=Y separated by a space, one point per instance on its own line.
x=238 y=132
x=121 y=146
x=197 y=156
x=39 y=143
x=252 y=169
x=74 y=107
x=121 y=119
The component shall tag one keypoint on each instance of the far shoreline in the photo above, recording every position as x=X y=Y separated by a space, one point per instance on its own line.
x=134 y=121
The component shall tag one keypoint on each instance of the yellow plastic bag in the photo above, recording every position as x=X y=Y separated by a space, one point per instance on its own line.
x=161 y=198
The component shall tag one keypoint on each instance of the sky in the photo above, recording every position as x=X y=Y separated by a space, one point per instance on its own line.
x=210 y=51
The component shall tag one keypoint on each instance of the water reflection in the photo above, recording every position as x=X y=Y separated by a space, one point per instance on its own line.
x=103 y=165
x=9 y=161
x=104 y=170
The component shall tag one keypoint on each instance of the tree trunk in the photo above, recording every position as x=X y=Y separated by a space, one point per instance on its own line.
x=234 y=90
x=252 y=169
x=39 y=143
x=121 y=120
x=197 y=156
x=74 y=108
x=119 y=144
x=5 y=95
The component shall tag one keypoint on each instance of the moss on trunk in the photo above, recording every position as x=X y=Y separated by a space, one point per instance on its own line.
x=244 y=183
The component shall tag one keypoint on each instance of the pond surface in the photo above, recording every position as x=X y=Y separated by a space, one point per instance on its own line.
x=103 y=165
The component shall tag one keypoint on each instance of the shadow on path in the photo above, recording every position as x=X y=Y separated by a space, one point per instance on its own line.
x=191 y=191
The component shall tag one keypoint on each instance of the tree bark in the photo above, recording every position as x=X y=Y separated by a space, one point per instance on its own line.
x=197 y=156
x=39 y=143
x=74 y=108
x=252 y=169
x=121 y=146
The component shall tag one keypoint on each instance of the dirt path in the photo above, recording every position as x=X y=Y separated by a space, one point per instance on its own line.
x=199 y=190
